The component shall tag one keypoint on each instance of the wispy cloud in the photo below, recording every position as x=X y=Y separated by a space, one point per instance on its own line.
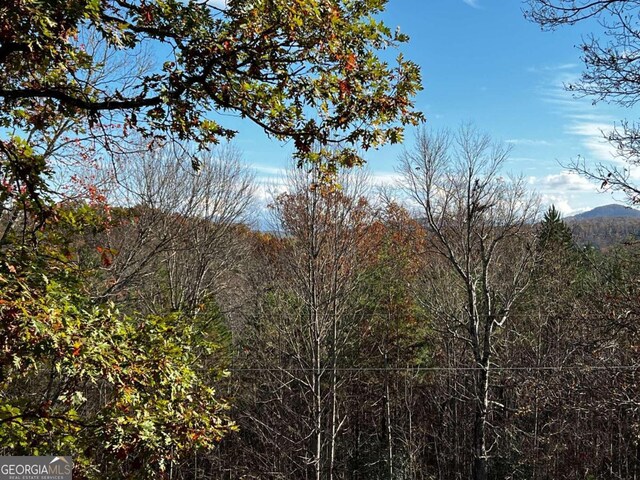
x=552 y=68
x=592 y=135
x=589 y=125
x=265 y=170
x=530 y=142
x=472 y=3
x=555 y=93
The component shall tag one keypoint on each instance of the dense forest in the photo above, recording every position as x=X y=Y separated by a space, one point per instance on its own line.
x=368 y=334
x=446 y=327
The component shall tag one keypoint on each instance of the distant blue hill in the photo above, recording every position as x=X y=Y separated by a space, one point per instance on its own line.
x=607 y=211
x=606 y=226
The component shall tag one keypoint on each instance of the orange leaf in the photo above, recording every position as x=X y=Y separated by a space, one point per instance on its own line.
x=351 y=62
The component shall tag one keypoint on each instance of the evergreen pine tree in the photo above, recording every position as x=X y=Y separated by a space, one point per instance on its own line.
x=554 y=232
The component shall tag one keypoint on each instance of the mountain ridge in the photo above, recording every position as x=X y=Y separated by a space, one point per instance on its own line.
x=613 y=210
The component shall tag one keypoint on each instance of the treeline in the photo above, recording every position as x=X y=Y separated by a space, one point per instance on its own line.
x=603 y=233
x=445 y=330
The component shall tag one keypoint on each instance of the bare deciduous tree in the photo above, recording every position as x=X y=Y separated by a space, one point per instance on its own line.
x=325 y=225
x=177 y=241
x=478 y=223
x=308 y=315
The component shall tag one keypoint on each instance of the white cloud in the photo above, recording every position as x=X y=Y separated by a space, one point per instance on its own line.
x=584 y=121
x=472 y=3
x=589 y=129
x=267 y=191
x=269 y=171
x=564 y=181
x=592 y=137
x=552 y=68
x=528 y=142
x=560 y=98
x=218 y=3
x=634 y=173
x=555 y=92
x=380 y=179
x=569 y=192
x=560 y=202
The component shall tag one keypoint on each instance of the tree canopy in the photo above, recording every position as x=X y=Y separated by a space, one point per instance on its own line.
x=308 y=70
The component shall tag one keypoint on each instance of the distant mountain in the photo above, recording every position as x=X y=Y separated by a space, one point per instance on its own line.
x=605 y=226
x=613 y=210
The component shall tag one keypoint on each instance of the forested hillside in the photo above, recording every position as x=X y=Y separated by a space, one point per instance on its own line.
x=355 y=341
x=603 y=233
x=357 y=356
x=606 y=226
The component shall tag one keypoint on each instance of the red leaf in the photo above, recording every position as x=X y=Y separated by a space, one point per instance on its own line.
x=345 y=88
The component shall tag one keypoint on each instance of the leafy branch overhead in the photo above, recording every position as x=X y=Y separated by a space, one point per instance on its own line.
x=307 y=70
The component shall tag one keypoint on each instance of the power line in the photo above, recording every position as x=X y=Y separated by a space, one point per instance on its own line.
x=439 y=369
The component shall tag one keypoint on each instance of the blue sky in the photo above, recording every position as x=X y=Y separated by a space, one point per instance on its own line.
x=483 y=62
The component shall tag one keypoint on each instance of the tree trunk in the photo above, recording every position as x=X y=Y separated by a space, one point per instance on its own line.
x=316 y=335
x=317 y=397
x=389 y=431
x=334 y=399
x=387 y=404
x=480 y=467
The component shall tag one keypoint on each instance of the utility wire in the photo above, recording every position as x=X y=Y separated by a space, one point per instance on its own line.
x=439 y=369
